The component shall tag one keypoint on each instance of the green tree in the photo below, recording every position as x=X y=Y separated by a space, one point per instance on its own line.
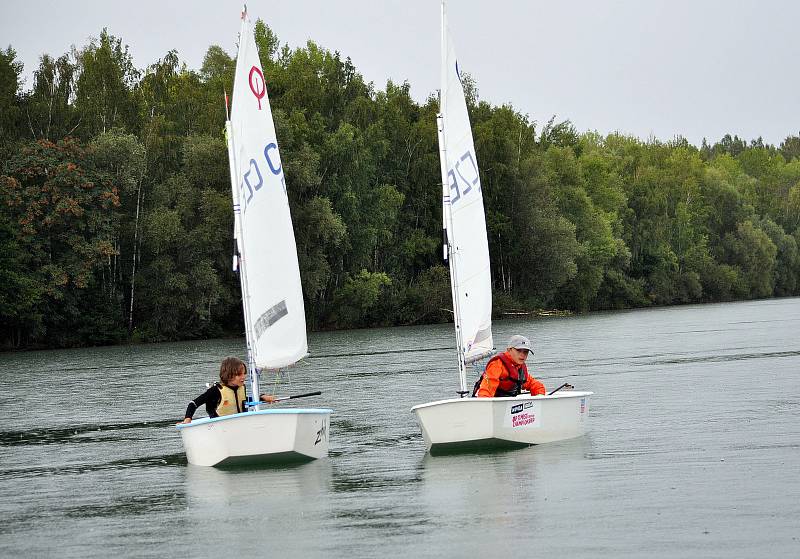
x=104 y=88
x=10 y=113
x=49 y=112
x=754 y=254
x=358 y=297
x=787 y=259
x=64 y=213
x=319 y=231
x=123 y=157
x=21 y=308
x=186 y=287
x=428 y=299
x=790 y=147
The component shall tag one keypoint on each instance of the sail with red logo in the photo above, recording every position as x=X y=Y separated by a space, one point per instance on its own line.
x=272 y=298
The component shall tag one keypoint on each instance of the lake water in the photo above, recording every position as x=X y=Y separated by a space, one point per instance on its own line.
x=692 y=448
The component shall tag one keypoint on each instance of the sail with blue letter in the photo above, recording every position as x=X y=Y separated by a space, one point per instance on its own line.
x=464 y=219
x=270 y=276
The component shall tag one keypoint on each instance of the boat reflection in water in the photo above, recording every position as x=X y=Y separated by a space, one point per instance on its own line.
x=267 y=491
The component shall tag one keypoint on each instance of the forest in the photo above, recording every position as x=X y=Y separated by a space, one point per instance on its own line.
x=116 y=215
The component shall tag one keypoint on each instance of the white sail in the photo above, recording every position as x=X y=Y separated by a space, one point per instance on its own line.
x=273 y=302
x=479 y=423
x=271 y=291
x=464 y=219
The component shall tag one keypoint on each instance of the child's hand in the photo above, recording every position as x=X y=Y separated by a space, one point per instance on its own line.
x=267 y=398
x=185 y=420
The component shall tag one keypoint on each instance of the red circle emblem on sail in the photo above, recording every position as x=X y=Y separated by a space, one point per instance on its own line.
x=257 y=84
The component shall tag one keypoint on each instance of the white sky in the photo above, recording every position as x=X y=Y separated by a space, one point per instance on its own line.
x=645 y=67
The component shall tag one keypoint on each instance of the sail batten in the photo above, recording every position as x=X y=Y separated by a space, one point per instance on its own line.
x=272 y=296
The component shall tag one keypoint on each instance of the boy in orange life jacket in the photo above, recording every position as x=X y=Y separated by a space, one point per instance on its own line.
x=506 y=373
x=227 y=396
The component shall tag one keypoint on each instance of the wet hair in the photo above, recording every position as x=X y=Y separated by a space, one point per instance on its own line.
x=230 y=368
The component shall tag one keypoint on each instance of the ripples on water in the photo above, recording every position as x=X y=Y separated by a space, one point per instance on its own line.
x=692 y=447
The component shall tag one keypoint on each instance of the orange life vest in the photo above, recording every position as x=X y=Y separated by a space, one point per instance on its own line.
x=511 y=379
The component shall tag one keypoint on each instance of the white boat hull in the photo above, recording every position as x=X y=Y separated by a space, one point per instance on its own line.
x=481 y=423
x=257 y=437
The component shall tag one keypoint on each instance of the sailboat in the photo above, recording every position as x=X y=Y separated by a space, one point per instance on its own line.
x=272 y=298
x=477 y=423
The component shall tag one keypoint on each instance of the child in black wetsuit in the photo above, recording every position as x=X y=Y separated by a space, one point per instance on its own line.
x=227 y=396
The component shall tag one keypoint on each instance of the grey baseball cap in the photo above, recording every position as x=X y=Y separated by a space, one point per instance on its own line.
x=520 y=342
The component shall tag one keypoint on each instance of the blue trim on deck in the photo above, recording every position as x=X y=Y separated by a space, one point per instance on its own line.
x=206 y=420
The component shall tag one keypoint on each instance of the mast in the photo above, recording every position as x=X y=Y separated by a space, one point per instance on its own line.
x=449 y=248
x=239 y=260
x=269 y=273
x=239 y=263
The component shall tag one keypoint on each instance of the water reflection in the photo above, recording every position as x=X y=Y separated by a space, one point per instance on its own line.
x=278 y=510
x=215 y=489
x=501 y=492
x=692 y=440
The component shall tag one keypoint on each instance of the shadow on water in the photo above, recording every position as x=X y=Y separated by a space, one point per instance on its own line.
x=724 y=358
x=381 y=518
x=382 y=373
x=391 y=441
x=637 y=363
x=677 y=357
x=274 y=461
x=127 y=367
x=76 y=434
x=251 y=471
x=493 y=446
x=578 y=448
x=170 y=460
x=347 y=426
x=130 y=506
x=347 y=480
x=384 y=352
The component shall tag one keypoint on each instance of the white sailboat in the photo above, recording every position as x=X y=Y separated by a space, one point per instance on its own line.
x=272 y=297
x=466 y=423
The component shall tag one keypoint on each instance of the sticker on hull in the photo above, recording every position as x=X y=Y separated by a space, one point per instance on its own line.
x=525 y=415
x=322 y=434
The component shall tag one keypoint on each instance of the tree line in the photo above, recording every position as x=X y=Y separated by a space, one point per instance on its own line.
x=116 y=217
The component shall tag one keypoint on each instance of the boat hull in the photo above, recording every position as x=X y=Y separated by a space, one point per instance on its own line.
x=465 y=424
x=261 y=437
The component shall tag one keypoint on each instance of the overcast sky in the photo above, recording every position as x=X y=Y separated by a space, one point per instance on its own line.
x=662 y=68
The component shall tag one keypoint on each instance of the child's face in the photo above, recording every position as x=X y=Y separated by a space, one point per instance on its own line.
x=238 y=380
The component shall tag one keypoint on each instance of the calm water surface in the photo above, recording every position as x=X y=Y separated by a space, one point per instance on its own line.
x=693 y=448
